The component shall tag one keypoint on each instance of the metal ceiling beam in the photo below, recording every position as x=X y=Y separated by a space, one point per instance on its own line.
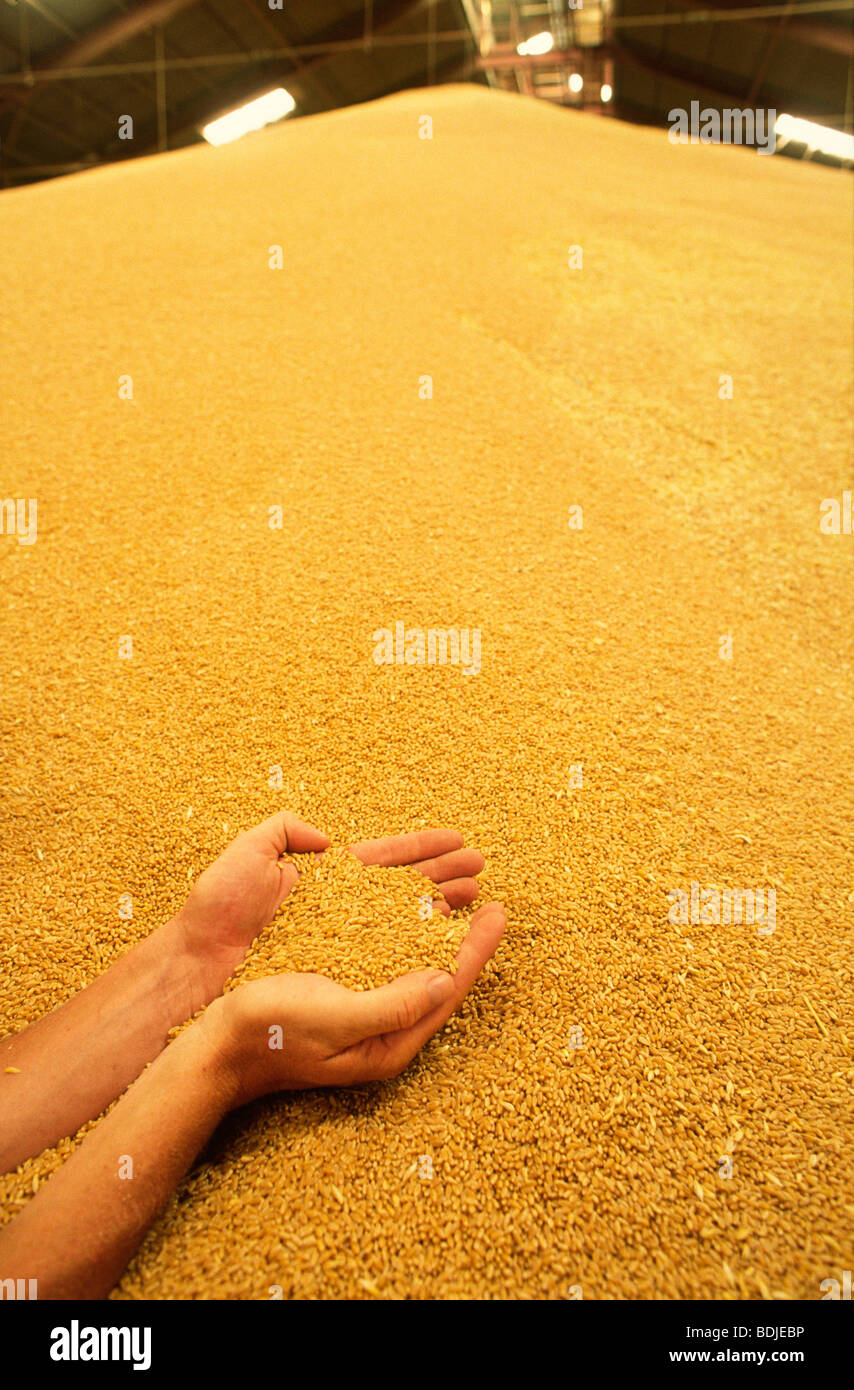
x=275 y=31
x=21 y=97
x=764 y=62
x=453 y=69
x=104 y=37
x=277 y=65
x=97 y=40
x=56 y=133
x=821 y=36
x=623 y=54
x=56 y=20
x=310 y=51
x=222 y=23
x=327 y=48
x=505 y=57
x=449 y=71
x=475 y=21
x=86 y=45
x=837 y=40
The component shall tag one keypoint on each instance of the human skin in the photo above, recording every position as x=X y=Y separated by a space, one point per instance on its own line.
x=68 y=1066
x=332 y=1036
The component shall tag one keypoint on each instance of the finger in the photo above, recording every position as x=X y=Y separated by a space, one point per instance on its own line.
x=407 y=849
x=284 y=833
x=459 y=892
x=485 y=931
x=288 y=879
x=399 y=1005
x=437 y=904
x=388 y=1053
x=461 y=863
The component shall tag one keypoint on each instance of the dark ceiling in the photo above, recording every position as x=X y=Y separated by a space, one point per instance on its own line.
x=69 y=69
x=794 y=62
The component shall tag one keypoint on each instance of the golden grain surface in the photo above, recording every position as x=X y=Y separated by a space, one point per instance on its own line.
x=579 y=1114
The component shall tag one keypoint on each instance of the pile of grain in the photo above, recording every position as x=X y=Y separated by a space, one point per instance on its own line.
x=571 y=1127
x=362 y=925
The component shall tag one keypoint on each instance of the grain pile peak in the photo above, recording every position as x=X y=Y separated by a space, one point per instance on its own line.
x=630 y=1103
x=361 y=925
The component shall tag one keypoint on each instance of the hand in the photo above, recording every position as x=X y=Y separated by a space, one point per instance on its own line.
x=438 y=854
x=241 y=892
x=327 y=1035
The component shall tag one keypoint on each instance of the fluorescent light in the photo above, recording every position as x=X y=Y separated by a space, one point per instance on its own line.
x=576 y=82
x=606 y=91
x=814 y=136
x=540 y=43
x=255 y=114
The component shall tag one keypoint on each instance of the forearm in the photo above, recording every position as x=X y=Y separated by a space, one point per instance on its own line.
x=66 y=1068
x=79 y=1231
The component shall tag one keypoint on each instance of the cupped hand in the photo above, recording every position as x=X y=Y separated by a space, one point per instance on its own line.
x=293 y=1031
x=241 y=892
x=439 y=855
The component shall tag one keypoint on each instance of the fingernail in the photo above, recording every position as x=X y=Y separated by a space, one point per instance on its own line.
x=440 y=989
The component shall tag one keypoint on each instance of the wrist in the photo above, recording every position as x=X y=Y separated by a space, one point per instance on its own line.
x=208 y=1048
x=202 y=967
x=182 y=973
x=235 y=1038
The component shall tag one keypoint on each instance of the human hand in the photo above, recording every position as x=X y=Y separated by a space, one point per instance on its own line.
x=241 y=892
x=326 y=1035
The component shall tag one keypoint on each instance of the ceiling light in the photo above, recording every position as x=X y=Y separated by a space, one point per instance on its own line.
x=540 y=43
x=606 y=91
x=576 y=82
x=816 y=137
x=255 y=114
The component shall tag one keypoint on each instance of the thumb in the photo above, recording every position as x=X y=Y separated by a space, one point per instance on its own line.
x=284 y=833
x=400 y=1004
